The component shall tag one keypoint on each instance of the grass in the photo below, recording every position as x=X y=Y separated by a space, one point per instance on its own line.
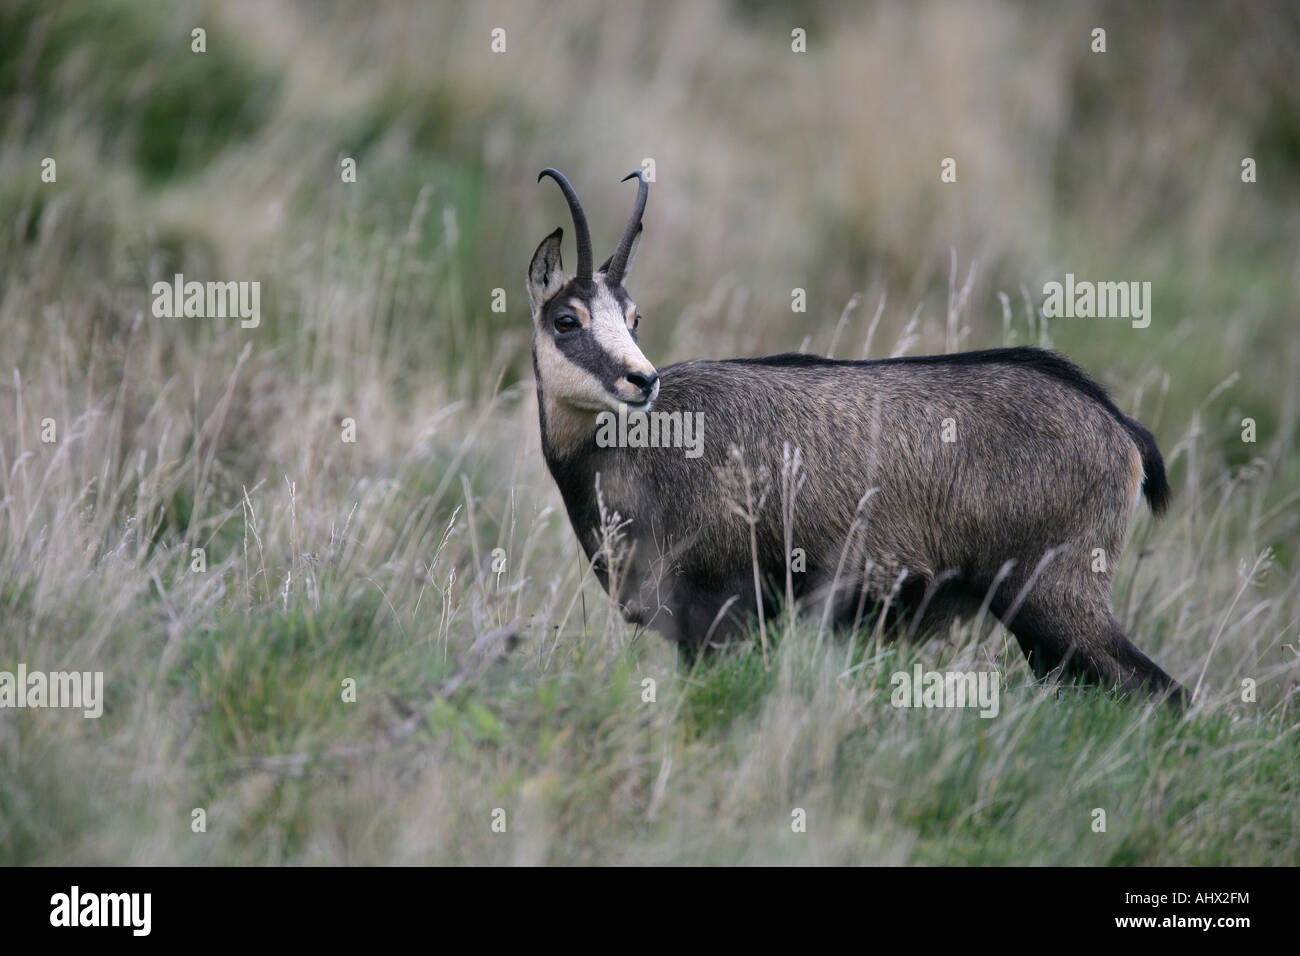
x=376 y=561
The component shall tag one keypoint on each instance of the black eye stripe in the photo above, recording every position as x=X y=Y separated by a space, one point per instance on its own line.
x=582 y=349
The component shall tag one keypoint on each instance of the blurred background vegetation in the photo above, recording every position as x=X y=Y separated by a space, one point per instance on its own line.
x=775 y=170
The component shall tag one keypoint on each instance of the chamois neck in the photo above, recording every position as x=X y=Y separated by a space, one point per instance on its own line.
x=566 y=431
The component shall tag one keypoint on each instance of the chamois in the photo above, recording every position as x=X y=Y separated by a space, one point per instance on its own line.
x=930 y=485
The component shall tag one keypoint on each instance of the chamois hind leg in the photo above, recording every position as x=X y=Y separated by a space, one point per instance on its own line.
x=1066 y=629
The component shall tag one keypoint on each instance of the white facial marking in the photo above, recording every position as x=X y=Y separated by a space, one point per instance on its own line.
x=572 y=395
x=609 y=327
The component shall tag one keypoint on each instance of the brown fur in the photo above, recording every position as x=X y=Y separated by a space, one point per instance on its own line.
x=1036 y=467
x=1044 y=471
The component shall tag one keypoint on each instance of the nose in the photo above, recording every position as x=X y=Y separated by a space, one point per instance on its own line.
x=644 y=382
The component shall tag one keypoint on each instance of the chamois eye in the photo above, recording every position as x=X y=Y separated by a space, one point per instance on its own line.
x=636 y=321
x=566 y=323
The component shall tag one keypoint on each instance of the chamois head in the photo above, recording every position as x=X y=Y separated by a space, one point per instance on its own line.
x=584 y=327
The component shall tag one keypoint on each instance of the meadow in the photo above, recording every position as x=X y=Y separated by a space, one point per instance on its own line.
x=333 y=591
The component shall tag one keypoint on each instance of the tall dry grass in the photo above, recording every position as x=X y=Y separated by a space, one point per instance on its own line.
x=375 y=560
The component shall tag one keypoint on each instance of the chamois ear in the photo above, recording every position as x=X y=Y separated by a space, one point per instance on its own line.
x=631 y=255
x=545 y=272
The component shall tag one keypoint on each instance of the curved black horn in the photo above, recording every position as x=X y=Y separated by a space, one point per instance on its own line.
x=618 y=262
x=579 y=221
